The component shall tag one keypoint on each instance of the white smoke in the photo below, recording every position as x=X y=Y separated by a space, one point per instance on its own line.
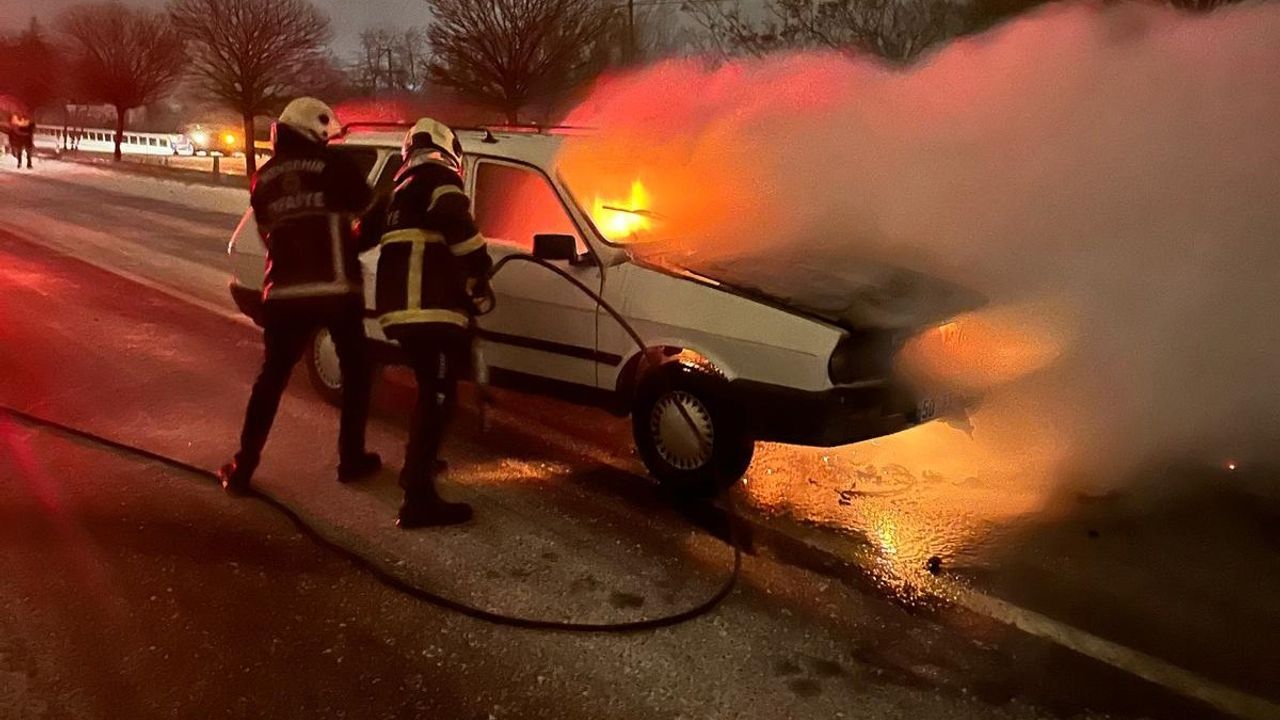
x=1109 y=176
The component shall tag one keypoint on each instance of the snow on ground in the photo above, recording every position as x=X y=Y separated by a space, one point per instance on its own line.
x=169 y=235
x=230 y=200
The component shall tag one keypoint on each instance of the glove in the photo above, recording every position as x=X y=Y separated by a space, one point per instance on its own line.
x=481 y=294
x=478 y=287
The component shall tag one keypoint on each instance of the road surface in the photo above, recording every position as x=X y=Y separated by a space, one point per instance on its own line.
x=114 y=304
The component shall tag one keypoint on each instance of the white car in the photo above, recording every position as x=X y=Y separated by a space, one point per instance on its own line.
x=726 y=362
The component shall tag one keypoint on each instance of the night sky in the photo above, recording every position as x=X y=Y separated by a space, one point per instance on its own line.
x=349 y=17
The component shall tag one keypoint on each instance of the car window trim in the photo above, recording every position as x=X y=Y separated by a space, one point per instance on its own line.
x=379 y=158
x=565 y=205
x=380 y=167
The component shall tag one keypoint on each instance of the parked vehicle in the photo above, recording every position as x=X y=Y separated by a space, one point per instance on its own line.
x=723 y=366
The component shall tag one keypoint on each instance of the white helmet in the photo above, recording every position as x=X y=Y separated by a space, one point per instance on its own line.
x=311 y=118
x=431 y=134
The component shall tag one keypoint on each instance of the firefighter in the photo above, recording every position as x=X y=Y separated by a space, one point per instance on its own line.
x=432 y=270
x=22 y=136
x=306 y=200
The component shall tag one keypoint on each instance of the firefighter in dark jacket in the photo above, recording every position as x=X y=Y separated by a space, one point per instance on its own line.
x=307 y=200
x=433 y=267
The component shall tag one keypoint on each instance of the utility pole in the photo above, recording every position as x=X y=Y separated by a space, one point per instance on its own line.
x=631 y=31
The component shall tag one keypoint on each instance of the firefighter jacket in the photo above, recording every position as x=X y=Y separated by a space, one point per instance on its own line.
x=305 y=200
x=431 y=248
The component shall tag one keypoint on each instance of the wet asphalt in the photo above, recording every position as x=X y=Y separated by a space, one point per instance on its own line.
x=1179 y=563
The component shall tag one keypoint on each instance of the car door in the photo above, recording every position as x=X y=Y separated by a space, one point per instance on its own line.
x=542 y=328
x=383 y=184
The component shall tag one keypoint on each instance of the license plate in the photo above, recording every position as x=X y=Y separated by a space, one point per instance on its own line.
x=931 y=407
x=926 y=409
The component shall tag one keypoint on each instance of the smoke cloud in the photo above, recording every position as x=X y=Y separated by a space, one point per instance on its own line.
x=1109 y=176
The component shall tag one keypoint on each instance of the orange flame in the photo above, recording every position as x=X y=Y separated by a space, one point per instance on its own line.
x=623 y=219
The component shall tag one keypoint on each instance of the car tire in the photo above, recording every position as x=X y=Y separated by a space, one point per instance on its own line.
x=697 y=460
x=322 y=367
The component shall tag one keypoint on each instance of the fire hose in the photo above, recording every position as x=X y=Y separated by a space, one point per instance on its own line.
x=383 y=572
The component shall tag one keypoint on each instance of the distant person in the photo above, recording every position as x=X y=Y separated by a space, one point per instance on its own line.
x=433 y=266
x=305 y=199
x=22 y=138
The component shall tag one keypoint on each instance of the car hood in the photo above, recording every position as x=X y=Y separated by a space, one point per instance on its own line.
x=853 y=295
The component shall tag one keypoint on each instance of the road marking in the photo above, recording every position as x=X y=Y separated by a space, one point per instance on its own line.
x=1153 y=669
x=1147 y=667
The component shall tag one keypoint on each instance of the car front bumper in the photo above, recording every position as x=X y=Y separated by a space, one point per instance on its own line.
x=826 y=418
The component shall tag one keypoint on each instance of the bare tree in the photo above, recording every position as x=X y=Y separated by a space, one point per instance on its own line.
x=984 y=14
x=643 y=32
x=389 y=60
x=250 y=55
x=897 y=30
x=328 y=79
x=509 y=53
x=30 y=68
x=124 y=57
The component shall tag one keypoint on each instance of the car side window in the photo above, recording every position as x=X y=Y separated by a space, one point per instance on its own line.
x=512 y=204
x=365 y=157
x=387 y=178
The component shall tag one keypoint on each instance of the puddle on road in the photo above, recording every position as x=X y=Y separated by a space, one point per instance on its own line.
x=918 y=501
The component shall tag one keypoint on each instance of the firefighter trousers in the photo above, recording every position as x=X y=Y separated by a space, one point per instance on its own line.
x=437 y=357
x=286 y=333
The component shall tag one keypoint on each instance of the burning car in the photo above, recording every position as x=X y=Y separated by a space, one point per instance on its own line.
x=728 y=358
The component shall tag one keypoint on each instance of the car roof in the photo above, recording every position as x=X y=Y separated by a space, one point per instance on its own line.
x=534 y=148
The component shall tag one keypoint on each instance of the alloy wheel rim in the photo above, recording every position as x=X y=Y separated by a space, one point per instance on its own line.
x=326 y=361
x=682 y=431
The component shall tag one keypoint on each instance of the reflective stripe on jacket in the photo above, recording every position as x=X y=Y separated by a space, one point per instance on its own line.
x=305 y=199
x=430 y=248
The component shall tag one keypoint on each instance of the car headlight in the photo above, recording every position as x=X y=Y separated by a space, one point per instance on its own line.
x=863 y=355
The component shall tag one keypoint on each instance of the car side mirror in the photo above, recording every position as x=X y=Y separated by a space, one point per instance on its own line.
x=555 y=247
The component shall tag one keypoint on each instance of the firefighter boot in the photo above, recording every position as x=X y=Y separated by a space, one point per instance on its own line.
x=423 y=507
x=363 y=466
x=234 y=478
x=417 y=513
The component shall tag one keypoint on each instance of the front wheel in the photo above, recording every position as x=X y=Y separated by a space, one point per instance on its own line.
x=323 y=367
x=686 y=431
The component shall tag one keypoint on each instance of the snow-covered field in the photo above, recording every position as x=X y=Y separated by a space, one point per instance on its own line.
x=192 y=195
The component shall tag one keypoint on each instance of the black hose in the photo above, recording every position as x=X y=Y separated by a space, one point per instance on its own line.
x=384 y=574
x=387 y=576
x=617 y=316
